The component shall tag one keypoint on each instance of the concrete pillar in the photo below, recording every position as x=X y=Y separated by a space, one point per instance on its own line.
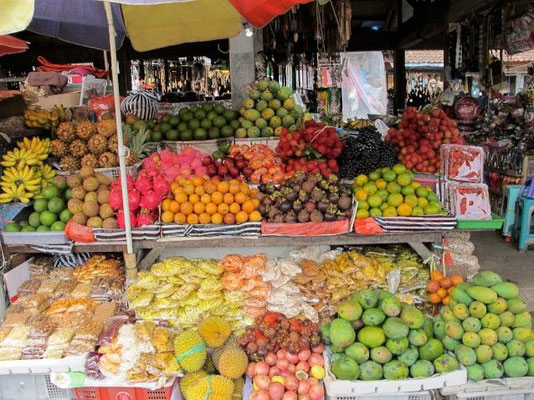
x=242 y=67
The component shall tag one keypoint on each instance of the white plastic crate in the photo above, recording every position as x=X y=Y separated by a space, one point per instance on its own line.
x=493 y=389
x=32 y=387
x=111 y=173
x=401 y=396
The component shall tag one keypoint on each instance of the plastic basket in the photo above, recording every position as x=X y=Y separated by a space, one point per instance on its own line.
x=406 y=396
x=34 y=387
x=111 y=173
x=493 y=389
x=493 y=224
x=204 y=146
x=125 y=393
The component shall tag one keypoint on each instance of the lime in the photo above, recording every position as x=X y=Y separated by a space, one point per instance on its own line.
x=389 y=176
x=12 y=227
x=416 y=185
x=227 y=131
x=224 y=147
x=383 y=194
x=363 y=205
x=361 y=180
x=48 y=218
x=219 y=109
x=374 y=201
x=219 y=122
x=23 y=224
x=362 y=214
x=422 y=202
x=422 y=191
x=166 y=118
x=405 y=209
x=374 y=176
x=384 y=206
x=389 y=212
x=165 y=127
x=156 y=136
x=182 y=126
x=65 y=215
x=381 y=183
x=399 y=169
x=200 y=134
x=432 y=197
x=432 y=210
x=212 y=115
x=28 y=229
x=194 y=124
x=50 y=192
x=229 y=115
x=43 y=228
x=186 y=135
x=56 y=205
x=241 y=133
x=214 y=133
x=404 y=179
x=172 y=135
x=206 y=123
x=208 y=107
x=200 y=114
x=370 y=188
x=68 y=194
x=361 y=194
x=394 y=187
x=58 y=226
x=411 y=199
x=418 y=211
x=406 y=190
x=375 y=212
x=395 y=199
x=174 y=120
x=34 y=219
x=40 y=205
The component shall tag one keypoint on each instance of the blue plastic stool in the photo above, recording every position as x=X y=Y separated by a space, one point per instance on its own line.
x=523 y=222
x=509 y=201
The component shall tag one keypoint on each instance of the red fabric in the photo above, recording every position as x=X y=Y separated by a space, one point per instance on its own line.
x=11 y=45
x=305 y=229
x=260 y=12
x=367 y=226
x=48 y=66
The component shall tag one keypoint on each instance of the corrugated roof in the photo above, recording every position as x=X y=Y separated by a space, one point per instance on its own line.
x=525 y=57
x=424 y=57
x=362 y=9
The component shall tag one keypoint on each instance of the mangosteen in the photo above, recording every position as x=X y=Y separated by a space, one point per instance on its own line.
x=297 y=206
x=262 y=187
x=316 y=216
x=316 y=178
x=304 y=196
x=340 y=217
x=309 y=206
x=268 y=201
x=279 y=200
x=299 y=177
x=344 y=203
x=292 y=196
x=333 y=198
x=297 y=188
x=285 y=206
x=290 y=218
x=322 y=206
x=278 y=219
x=333 y=179
x=323 y=184
x=329 y=217
x=348 y=213
x=270 y=188
x=308 y=186
x=304 y=216
x=317 y=195
x=273 y=211
x=263 y=209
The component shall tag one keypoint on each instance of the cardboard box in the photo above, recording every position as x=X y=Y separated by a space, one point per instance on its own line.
x=70 y=99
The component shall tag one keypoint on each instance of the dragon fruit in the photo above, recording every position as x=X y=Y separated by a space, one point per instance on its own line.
x=145 y=217
x=115 y=198
x=120 y=219
x=130 y=183
x=134 y=199
x=143 y=183
x=161 y=186
x=150 y=200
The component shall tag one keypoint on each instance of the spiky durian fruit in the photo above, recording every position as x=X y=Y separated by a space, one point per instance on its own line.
x=190 y=350
x=215 y=331
x=211 y=386
x=233 y=362
x=85 y=129
x=189 y=379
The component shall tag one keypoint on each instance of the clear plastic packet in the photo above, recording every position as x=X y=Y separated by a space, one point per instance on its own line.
x=104 y=311
x=90 y=330
x=48 y=286
x=29 y=287
x=91 y=366
x=55 y=352
x=81 y=290
x=111 y=329
x=38 y=301
x=64 y=289
x=61 y=272
x=62 y=336
x=17 y=318
x=16 y=337
x=10 y=353
x=462 y=163
x=79 y=347
x=40 y=265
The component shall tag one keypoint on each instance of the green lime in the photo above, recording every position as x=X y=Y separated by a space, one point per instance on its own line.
x=182 y=126
x=23 y=224
x=375 y=212
x=227 y=131
x=65 y=215
x=43 y=228
x=206 y=123
x=194 y=124
x=48 y=218
x=28 y=229
x=374 y=176
x=214 y=133
x=50 y=192
x=200 y=134
x=186 y=135
x=174 y=120
x=58 y=226
x=389 y=176
x=406 y=190
x=34 y=219
x=165 y=127
x=68 y=194
x=56 y=205
x=172 y=135
x=218 y=155
x=224 y=147
x=40 y=205
x=156 y=136
x=422 y=191
x=12 y=227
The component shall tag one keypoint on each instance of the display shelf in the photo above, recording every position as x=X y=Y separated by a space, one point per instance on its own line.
x=44 y=366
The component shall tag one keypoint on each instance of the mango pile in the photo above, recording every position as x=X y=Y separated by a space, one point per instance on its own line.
x=489 y=328
x=376 y=337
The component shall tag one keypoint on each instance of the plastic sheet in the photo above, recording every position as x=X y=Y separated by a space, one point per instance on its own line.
x=367 y=226
x=462 y=163
x=363 y=86
x=306 y=229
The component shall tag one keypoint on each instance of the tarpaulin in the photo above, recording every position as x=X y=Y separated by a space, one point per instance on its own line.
x=16 y=15
x=11 y=45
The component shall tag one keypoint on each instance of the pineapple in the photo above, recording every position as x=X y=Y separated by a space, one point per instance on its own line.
x=69 y=163
x=113 y=143
x=78 y=148
x=58 y=148
x=107 y=128
x=85 y=129
x=107 y=160
x=97 y=144
x=137 y=147
x=89 y=160
x=65 y=131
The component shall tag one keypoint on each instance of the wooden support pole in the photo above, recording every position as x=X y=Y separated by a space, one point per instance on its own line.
x=130 y=262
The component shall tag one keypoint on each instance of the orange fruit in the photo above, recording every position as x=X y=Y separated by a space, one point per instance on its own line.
x=192 y=219
x=167 y=217
x=197 y=181
x=223 y=208
x=228 y=198
x=186 y=208
x=434 y=298
x=217 y=197
x=240 y=197
x=194 y=198
x=223 y=187
x=235 y=208
x=189 y=189
x=241 y=217
x=175 y=207
x=216 y=219
x=233 y=181
x=442 y=292
x=180 y=218
x=182 y=181
x=200 y=190
x=256 y=203
x=174 y=186
x=180 y=197
x=205 y=198
x=234 y=188
x=436 y=275
x=445 y=283
x=456 y=280
x=199 y=208
x=254 y=216
x=229 y=219
x=446 y=300
x=204 y=218
x=449 y=290
x=166 y=204
x=210 y=187
x=248 y=206
x=245 y=188
x=404 y=210
x=253 y=192
x=211 y=208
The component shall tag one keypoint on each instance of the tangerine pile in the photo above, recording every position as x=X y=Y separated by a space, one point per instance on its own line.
x=203 y=200
x=440 y=287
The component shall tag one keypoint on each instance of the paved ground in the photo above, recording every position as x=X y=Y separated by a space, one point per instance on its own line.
x=502 y=257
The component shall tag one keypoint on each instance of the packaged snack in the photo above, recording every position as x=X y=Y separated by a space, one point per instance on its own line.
x=81 y=290
x=73 y=319
x=38 y=301
x=55 y=352
x=16 y=318
x=40 y=265
x=64 y=289
x=29 y=287
x=48 y=286
x=10 y=353
x=59 y=306
x=61 y=273
x=104 y=311
x=111 y=329
x=90 y=330
x=462 y=163
x=79 y=347
x=16 y=337
x=61 y=336
x=82 y=304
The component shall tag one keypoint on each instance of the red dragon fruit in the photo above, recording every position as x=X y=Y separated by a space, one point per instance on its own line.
x=134 y=199
x=115 y=198
x=120 y=219
x=150 y=200
x=161 y=186
x=143 y=183
x=129 y=182
x=145 y=217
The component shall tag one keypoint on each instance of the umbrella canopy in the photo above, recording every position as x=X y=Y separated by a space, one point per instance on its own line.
x=16 y=15
x=260 y=12
x=12 y=45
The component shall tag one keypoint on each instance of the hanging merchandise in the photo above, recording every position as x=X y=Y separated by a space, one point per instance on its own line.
x=519 y=34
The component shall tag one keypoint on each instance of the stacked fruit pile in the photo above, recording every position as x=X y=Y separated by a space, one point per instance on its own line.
x=50 y=211
x=488 y=327
x=211 y=121
x=286 y=358
x=85 y=144
x=39 y=118
x=419 y=137
x=88 y=199
x=392 y=192
x=204 y=200
x=268 y=109
x=170 y=165
x=440 y=287
x=306 y=198
x=376 y=337
x=25 y=174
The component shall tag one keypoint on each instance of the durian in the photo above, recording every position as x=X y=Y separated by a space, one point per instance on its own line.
x=213 y=387
x=190 y=378
x=215 y=331
x=190 y=350
x=238 y=389
x=233 y=362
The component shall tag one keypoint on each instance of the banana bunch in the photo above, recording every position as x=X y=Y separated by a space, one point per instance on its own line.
x=39 y=118
x=358 y=123
x=28 y=152
x=65 y=114
x=20 y=184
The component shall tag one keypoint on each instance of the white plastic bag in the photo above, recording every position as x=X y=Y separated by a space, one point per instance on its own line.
x=363 y=85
